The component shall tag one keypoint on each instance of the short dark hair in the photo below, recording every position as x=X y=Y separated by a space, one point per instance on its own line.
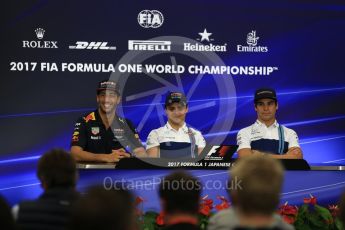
x=257 y=102
x=181 y=193
x=103 y=209
x=57 y=168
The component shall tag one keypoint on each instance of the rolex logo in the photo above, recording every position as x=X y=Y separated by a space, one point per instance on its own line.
x=39 y=32
x=40 y=44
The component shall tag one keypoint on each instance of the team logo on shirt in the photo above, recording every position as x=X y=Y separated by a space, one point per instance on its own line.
x=89 y=117
x=148 y=142
x=119 y=133
x=95 y=130
x=255 y=131
x=239 y=139
x=75 y=136
x=76 y=127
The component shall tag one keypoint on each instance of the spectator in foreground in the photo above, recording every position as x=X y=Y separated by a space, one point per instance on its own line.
x=58 y=176
x=342 y=209
x=6 y=218
x=102 y=209
x=254 y=189
x=180 y=194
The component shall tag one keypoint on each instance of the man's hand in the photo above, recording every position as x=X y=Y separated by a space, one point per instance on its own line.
x=257 y=152
x=248 y=152
x=139 y=152
x=295 y=153
x=292 y=153
x=116 y=156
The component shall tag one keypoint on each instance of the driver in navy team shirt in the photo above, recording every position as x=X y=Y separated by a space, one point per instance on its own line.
x=266 y=136
x=103 y=136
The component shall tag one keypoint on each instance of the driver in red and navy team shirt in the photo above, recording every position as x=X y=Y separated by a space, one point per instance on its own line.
x=103 y=136
x=266 y=136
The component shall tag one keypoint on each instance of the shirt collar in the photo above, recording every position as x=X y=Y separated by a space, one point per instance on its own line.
x=97 y=116
x=116 y=120
x=184 y=127
x=275 y=124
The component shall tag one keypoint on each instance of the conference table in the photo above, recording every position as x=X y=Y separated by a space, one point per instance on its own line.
x=324 y=181
x=18 y=182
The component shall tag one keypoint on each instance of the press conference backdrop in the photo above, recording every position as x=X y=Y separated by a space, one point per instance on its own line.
x=53 y=54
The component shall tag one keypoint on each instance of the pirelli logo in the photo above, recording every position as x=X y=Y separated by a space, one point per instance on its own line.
x=149 y=45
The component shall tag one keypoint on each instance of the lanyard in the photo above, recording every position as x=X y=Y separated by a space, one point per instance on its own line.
x=281 y=139
x=192 y=142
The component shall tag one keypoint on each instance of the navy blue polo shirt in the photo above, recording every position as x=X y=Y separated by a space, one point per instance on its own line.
x=91 y=134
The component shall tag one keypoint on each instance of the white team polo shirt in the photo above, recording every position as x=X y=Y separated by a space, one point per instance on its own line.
x=166 y=134
x=260 y=137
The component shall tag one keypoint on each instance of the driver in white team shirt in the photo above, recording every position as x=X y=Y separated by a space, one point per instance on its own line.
x=175 y=139
x=266 y=136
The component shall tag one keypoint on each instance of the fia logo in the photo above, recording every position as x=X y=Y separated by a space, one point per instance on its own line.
x=150 y=18
x=252 y=40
